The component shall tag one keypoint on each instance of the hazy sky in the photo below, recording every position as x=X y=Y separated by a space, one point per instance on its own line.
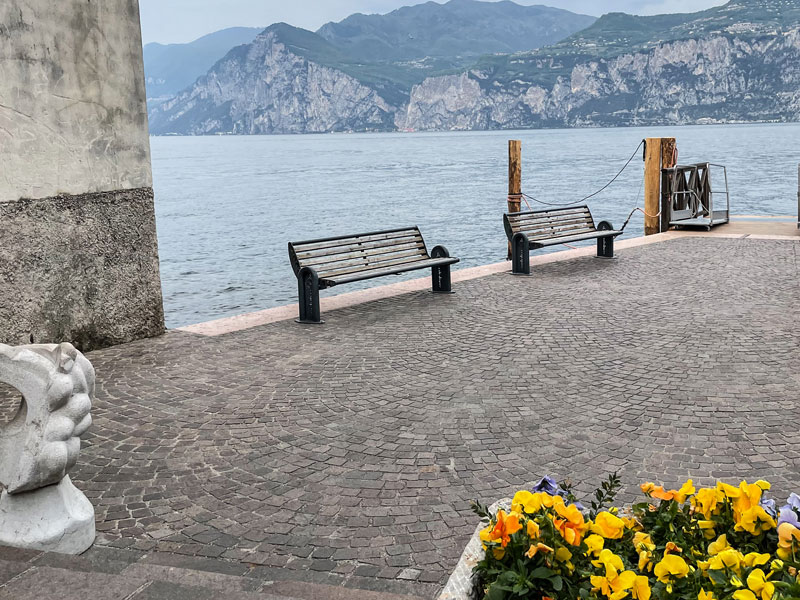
x=169 y=21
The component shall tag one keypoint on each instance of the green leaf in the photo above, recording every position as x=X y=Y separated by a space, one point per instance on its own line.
x=496 y=592
x=541 y=573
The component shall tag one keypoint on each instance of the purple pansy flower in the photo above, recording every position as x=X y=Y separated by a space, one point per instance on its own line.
x=769 y=505
x=548 y=485
x=788 y=515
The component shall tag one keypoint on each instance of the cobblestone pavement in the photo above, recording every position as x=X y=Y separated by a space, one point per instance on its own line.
x=355 y=447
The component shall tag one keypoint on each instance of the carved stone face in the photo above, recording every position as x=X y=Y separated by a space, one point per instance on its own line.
x=41 y=444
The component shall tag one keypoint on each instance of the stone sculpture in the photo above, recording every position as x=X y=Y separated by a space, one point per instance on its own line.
x=40 y=508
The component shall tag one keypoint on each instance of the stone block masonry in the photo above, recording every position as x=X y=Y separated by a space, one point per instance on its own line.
x=80 y=268
x=78 y=246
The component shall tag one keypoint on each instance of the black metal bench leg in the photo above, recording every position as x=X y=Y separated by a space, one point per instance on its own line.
x=441 y=280
x=308 y=293
x=605 y=247
x=520 y=255
x=441 y=275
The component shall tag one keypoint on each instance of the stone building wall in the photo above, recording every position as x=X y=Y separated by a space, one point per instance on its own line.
x=78 y=247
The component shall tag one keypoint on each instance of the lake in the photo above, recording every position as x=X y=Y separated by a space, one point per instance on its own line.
x=227 y=206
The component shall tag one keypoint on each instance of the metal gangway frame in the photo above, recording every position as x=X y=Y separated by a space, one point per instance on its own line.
x=689 y=198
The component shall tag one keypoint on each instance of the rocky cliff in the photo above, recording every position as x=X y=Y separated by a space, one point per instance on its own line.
x=733 y=63
x=264 y=88
x=722 y=78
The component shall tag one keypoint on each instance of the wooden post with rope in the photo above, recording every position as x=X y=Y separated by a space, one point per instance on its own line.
x=658 y=152
x=669 y=159
x=514 y=179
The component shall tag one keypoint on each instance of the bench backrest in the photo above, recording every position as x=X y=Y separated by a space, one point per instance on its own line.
x=338 y=256
x=548 y=224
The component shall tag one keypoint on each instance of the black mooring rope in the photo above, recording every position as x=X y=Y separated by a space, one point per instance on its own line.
x=593 y=194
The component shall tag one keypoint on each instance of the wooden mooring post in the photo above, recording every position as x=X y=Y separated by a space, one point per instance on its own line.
x=659 y=153
x=514 y=179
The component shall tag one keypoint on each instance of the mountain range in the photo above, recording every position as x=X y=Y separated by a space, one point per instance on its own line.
x=492 y=65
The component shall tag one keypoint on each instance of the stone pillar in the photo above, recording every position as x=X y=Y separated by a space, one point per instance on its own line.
x=78 y=247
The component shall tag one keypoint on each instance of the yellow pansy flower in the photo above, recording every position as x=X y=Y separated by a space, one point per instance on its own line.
x=749 y=497
x=609 y=526
x=563 y=554
x=524 y=501
x=687 y=489
x=571 y=525
x=704 y=595
x=729 y=491
x=616 y=582
x=719 y=545
x=657 y=491
x=641 y=588
x=671 y=567
x=672 y=547
x=706 y=501
x=730 y=558
x=744 y=595
x=532 y=528
x=536 y=548
x=754 y=559
x=788 y=536
x=643 y=541
x=644 y=546
x=631 y=523
x=755 y=520
x=708 y=529
x=506 y=526
x=758 y=582
x=595 y=544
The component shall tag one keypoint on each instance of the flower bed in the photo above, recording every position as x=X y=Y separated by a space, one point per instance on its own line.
x=718 y=543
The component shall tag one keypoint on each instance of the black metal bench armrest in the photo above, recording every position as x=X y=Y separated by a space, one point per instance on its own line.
x=440 y=252
x=605 y=226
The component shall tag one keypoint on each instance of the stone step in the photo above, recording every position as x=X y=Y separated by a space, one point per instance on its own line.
x=110 y=573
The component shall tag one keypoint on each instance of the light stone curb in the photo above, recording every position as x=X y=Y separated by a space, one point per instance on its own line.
x=459 y=586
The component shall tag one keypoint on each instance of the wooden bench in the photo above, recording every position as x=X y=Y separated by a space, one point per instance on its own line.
x=324 y=263
x=536 y=229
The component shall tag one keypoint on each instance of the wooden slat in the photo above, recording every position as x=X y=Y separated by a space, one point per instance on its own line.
x=549 y=214
x=560 y=234
x=311 y=259
x=371 y=266
x=542 y=224
x=391 y=270
x=573 y=238
x=366 y=261
x=345 y=241
x=548 y=230
x=558 y=217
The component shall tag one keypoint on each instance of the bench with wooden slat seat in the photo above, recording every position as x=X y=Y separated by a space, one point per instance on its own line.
x=536 y=229
x=324 y=263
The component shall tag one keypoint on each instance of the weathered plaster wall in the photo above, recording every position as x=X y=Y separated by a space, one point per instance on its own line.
x=73 y=118
x=78 y=247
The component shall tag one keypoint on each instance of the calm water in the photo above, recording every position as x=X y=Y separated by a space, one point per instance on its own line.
x=227 y=206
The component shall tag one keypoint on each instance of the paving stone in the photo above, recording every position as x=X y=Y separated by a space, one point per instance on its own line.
x=361 y=442
x=99 y=559
x=196 y=563
x=18 y=554
x=46 y=582
x=189 y=577
x=9 y=570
